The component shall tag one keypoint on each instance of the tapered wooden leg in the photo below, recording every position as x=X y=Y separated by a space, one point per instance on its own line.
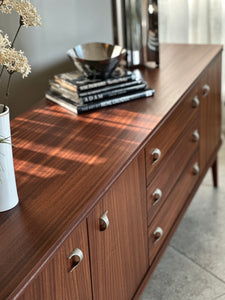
x=214 y=173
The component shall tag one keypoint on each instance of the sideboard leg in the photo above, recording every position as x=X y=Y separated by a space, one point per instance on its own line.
x=214 y=173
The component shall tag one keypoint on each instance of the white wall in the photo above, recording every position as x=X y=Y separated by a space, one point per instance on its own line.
x=65 y=24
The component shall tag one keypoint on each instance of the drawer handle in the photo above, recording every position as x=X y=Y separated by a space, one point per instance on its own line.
x=205 y=90
x=195 y=136
x=158 y=233
x=156 y=154
x=196 y=169
x=157 y=195
x=104 y=221
x=76 y=256
x=195 y=102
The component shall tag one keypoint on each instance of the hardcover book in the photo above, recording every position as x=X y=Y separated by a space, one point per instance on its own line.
x=99 y=93
x=80 y=108
x=76 y=81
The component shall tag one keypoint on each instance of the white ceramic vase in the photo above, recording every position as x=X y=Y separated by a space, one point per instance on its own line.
x=8 y=189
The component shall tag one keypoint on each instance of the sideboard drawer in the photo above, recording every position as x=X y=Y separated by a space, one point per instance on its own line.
x=165 y=219
x=163 y=182
x=163 y=140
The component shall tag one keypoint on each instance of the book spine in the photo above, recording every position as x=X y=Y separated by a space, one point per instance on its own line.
x=117 y=100
x=110 y=88
x=106 y=82
x=114 y=93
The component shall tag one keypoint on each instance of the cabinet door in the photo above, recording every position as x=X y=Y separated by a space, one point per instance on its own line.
x=119 y=252
x=56 y=280
x=210 y=112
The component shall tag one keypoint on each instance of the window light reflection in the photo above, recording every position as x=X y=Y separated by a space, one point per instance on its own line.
x=63 y=153
x=37 y=170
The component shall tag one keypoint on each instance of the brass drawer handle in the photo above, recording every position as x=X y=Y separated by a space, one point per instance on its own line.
x=158 y=233
x=196 y=169
x=76 y=256
x=156 y=154
x=195 y=136
x=205 y=90
x=195 y=102
x=157 y=195
x=104 y=221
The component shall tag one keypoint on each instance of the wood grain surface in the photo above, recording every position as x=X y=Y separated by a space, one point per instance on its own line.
x=171 y=169
x=172 y=207
x=55 y=281
x=210 y=113
x=64 y=163
x=118 y=255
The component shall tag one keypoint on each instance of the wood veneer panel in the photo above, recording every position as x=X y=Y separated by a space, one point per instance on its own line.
x=170 y=132
x=64 y=163
x=119 y=257
x=210 y=112
x=171 y=169
x=172 y=207
x=61 y=164
x=55 y=281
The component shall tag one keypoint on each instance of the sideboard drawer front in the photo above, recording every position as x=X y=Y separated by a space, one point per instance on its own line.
x=160 y=227
x=168 y=133
x=163 y=182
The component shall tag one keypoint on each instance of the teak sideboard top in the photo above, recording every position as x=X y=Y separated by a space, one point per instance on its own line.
x=64 y=163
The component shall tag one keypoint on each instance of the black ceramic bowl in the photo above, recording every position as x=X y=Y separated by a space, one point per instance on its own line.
x=96 y=60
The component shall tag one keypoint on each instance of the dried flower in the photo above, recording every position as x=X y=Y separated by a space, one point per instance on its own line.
x=27 y=12
x=24 y=8
x=6 y=6
x=11 y=59
x=14 y=61
x=4 y=41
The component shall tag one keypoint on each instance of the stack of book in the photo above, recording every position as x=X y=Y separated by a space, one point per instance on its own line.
x=77 y=93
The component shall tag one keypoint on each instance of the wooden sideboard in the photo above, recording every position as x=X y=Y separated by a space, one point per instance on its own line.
x=102 y=193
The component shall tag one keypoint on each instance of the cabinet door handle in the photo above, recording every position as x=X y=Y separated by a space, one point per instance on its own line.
x=157 y=195
x=156 y=154
x=76 y=256
x=205 y=90
x=104 y=221
x=195 y=136
x=196 y=169
x=195 y=102
x=158 y=233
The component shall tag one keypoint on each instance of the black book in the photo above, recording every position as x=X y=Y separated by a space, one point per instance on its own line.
x=80 y=108
x=77 y=82
x=98 y=94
